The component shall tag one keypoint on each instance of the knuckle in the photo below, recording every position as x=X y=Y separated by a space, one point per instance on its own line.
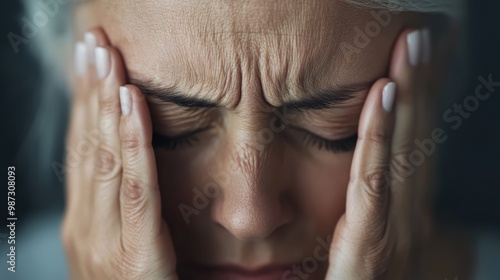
x=374 y=182
x=375 y=135
x=134 y=201
x=132 y=189
x=107 y=164
x=108 y=104
x=131 y=143
x=134 y=140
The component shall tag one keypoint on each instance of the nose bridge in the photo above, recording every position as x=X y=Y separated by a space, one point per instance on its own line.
x=251 y=206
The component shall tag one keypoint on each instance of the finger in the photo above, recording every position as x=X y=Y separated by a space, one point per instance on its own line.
x=411 y=55
x=142 y=224
x=368 y=195
x=77 y=148
x=94 y=38
x=139 y=198
x=77 y=123
x=407 y=59
x=107 y=165
x=82 y=136
x=91 y=135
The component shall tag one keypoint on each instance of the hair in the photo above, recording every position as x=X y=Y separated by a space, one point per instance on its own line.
x=54 y=44
x=452 y=8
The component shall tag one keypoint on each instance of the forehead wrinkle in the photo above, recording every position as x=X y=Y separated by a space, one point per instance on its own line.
x=270 y=48
x=296 y=54
x=226 y=65
x=294 y=68
x=248 y=17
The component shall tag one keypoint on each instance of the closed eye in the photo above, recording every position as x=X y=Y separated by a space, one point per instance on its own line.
x=172 y=142
x=308 y=138
x=335 y=146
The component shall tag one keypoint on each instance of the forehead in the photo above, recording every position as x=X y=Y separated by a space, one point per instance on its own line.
x=268 y=47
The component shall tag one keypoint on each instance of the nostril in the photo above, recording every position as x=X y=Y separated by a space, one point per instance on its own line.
x=249 y=227
x=253 y=221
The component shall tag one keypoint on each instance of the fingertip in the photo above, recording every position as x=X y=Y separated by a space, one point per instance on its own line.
x=125 y=100
x=109 y=66
x=90 y=40
x=95 y=40
x=96 y=37
x=412 y=54
x=135 y=111
x=381 y=92
x=138 y=94
x=406 y=54
x=103 y=62
x=376 y=114
x=388 y=96
x=80 y=59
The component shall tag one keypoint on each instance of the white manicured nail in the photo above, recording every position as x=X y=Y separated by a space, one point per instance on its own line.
x=427 y=49
x=414 y=47
x=388 y=96
x=80 y=59
x=102 y=62
x=91 y=42
x=125 y=100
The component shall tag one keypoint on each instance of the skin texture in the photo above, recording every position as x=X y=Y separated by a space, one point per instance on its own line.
x=273 y=199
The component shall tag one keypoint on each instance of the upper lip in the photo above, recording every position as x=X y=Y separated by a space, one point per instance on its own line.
x=240 y=269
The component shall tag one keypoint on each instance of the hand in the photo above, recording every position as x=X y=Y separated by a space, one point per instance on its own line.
x=112 y=227
x=376 y=237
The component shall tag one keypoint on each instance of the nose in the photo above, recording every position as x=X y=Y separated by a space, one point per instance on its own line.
x=254 y=201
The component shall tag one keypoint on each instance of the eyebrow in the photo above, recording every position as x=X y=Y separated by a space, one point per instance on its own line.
x=322 y=99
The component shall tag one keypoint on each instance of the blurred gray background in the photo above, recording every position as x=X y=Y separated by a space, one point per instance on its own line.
x=469 y=161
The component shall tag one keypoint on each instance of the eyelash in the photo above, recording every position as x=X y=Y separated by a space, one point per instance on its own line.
x=171 y=143
x=334 y=146
x=189 y=139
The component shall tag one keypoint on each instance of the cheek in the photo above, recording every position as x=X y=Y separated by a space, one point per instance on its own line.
x=185 y=182
x=180 y=179
x=322 y=185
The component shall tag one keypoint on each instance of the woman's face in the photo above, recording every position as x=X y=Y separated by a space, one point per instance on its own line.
x=255 y=107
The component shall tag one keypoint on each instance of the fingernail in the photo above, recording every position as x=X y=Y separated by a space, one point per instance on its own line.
x=414 y=47
x=125 y=100
x=388 y=95
x=427 y=49
x=102 y=62
x=91 y=42
x=80 y=59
